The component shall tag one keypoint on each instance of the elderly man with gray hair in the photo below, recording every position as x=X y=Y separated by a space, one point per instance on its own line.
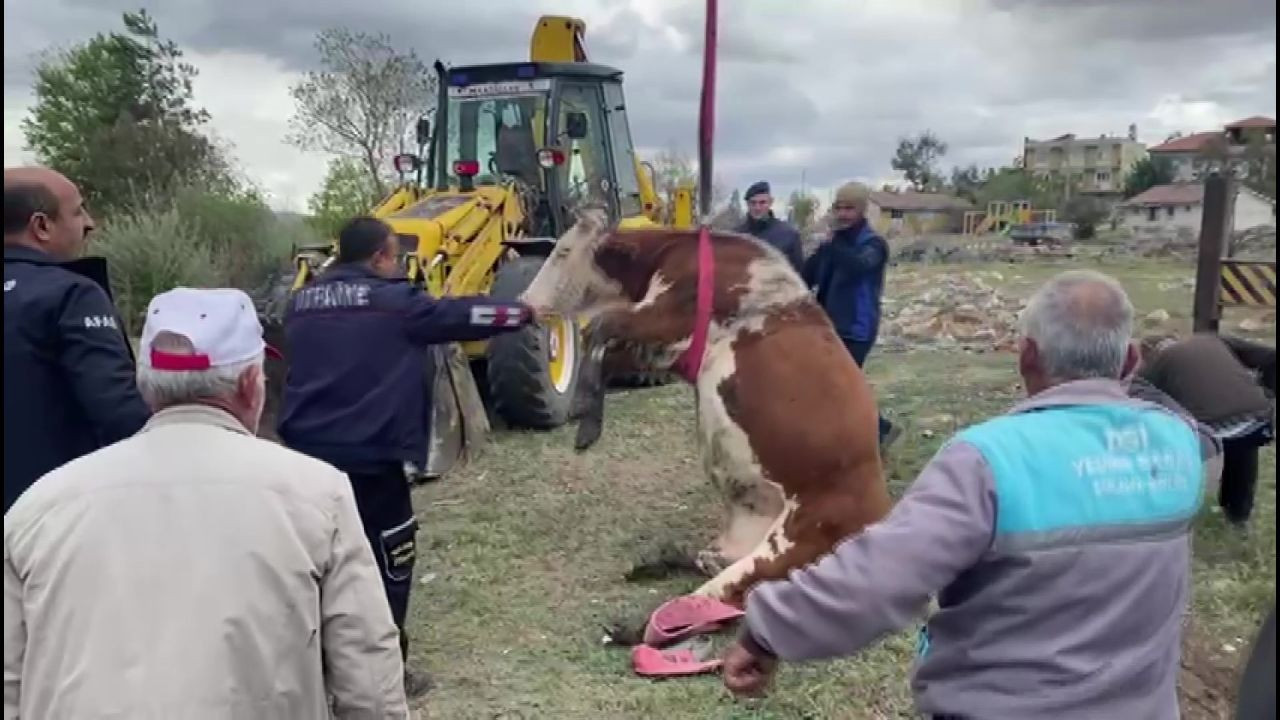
x=1055 y=537
x=194 y=570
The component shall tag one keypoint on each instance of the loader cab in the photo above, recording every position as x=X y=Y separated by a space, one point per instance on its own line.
x=558 y=130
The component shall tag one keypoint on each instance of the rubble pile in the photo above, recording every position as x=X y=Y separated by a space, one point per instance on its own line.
x=960 y=310
x=954 y=249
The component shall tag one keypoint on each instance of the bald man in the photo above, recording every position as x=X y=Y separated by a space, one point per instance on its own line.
x=69 y=384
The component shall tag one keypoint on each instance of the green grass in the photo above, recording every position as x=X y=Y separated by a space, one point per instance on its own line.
x=523 y=551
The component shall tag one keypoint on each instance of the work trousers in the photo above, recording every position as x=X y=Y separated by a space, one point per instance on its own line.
x=859 y=350
x=1240 y=474
x=386 y=510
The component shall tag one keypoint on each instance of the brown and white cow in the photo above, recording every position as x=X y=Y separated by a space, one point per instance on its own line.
x=786 y=421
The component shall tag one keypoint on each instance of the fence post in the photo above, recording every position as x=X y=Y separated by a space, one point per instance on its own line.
x=1214 y=222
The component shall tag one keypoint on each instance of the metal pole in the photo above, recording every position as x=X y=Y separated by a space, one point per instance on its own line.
x=707 y=114
x=1214 y=221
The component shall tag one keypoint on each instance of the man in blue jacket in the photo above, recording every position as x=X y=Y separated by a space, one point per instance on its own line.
x=358 y=395
x=69 y=384
x=762 y=224
x=847 y=274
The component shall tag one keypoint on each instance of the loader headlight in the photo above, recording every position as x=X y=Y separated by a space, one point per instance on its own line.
x=406 y=163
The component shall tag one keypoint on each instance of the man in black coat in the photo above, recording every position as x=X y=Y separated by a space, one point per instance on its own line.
x=762 y=224
x=69 y=385
x=1227 y=384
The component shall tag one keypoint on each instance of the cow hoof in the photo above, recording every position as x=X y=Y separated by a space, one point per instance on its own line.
x=711 y=563
x=589 y=430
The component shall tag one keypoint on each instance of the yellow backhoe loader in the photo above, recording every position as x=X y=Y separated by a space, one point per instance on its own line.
x=513 y=150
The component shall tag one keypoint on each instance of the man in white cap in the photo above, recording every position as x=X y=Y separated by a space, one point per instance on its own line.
x=195 y=570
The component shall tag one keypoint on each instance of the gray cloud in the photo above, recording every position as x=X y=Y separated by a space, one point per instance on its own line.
x=810 y=86
x=1150 y=21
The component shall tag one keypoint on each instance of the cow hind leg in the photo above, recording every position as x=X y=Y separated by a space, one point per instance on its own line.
x=772 y=547
x=751 y=513
x=791 y=544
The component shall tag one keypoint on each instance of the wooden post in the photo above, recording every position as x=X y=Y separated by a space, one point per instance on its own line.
x=1214 y=222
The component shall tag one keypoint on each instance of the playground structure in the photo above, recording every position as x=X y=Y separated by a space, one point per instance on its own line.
x=1002 y=215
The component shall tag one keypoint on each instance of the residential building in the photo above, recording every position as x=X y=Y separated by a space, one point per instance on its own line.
x=915 y=213
x=1177 y=208
x=1095 y=165
x=1257 y=128
x=1188 y=156
x=1192 y=156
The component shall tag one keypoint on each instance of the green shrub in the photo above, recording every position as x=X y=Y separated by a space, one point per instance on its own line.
x=148 y=254
x=239 y=230
x=196 y=239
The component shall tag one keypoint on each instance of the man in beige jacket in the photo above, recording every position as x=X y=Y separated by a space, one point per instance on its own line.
x=195 y=571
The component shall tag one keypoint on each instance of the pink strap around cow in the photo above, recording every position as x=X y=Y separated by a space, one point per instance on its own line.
x=690 y=361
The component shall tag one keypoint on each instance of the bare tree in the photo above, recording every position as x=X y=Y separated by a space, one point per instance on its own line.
x=362 y=101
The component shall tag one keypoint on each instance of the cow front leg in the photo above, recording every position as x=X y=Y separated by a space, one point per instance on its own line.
x=632 y=326
x=647 y=324
x=588 y=399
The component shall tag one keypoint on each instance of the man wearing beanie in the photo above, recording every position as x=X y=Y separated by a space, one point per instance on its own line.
x=846 y=273
x=762 y=224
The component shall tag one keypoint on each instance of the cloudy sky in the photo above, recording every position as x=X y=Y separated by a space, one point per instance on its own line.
x=812 y=89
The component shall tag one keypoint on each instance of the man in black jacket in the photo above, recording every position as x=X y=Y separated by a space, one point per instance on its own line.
x=357 y=394
x=69 y=385
x=762 y=223
x=1228 y=384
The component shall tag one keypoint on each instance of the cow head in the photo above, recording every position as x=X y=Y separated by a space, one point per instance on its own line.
x=570 y=281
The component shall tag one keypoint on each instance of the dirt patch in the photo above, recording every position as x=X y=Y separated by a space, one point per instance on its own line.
x=1207 y=683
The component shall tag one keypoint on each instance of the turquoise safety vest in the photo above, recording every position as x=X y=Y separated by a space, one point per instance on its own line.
x=1080 y=474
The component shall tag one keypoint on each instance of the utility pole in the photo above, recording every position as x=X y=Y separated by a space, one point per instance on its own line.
x=1214 y=223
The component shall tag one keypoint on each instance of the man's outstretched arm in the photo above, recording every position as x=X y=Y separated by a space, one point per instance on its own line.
x=877 y=581
x=457 y=319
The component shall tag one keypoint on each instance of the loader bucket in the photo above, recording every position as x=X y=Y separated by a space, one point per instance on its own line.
x=459 y=423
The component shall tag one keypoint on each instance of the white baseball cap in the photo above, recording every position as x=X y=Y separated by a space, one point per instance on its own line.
x=221 y=324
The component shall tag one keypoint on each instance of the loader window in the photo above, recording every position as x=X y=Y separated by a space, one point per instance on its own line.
x=624 y=157
x=585 y=175
x=497 y=132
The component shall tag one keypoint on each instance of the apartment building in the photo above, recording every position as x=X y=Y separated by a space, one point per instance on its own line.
x=1094 y=165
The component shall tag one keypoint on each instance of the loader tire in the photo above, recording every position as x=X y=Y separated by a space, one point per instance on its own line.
x=519 y=366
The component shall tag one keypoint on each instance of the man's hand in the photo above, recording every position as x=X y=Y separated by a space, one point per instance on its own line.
x=531 y=316
x=745 y=673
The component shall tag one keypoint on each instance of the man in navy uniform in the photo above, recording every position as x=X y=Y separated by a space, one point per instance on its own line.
x=357 y=394
x=69 y=385
x=763 y=224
